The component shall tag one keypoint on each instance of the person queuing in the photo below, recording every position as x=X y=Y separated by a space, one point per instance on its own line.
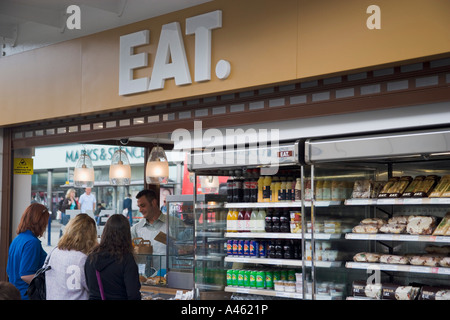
x=66 y=279
x=26 y=254
x=114 y=260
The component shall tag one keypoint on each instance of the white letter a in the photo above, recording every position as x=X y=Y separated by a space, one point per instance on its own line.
x=74 y=20
x=374 y=21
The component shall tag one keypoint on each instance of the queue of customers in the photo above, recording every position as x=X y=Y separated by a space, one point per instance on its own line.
x=80 y=265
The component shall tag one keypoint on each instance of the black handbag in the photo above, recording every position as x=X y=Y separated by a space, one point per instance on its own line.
x=36 y=289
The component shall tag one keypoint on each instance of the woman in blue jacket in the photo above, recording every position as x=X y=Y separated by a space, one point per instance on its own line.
x=26 y=255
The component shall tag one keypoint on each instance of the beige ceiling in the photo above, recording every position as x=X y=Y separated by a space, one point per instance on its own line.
x=30 y=24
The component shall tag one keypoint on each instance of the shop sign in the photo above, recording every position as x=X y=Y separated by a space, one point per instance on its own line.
x=170 y=59
x=23 y=166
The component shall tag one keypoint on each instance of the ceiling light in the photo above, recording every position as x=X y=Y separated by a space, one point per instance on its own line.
x=120 y=169
x=157 y=169
x=83 y=175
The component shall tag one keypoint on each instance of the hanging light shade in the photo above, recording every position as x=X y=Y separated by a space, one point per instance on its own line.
x=157 y=168
x=83 y=175
x=120 y=169
x=210 y=184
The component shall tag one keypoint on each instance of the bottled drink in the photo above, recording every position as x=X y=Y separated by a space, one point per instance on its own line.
x=247 y=217
x=267 y=192
x=240 y=221
x=254 y=186
x=260 y=188
x=261 y=220
x=282 y=191
x=253 y=219
x=247 y=184
x=268 y=222
x=231 y=221
x=238 y=191
x=230 y=187
x=289 y=189
x=274 y=186
x=298 y=189
x=276 y=220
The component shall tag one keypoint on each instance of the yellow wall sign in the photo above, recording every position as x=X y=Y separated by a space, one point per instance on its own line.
x=23 y=166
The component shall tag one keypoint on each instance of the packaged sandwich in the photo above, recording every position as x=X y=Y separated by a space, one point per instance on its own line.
x=440 y=187
x=409 y=191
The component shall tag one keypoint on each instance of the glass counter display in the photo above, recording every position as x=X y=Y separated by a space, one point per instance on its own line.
x=210 y=246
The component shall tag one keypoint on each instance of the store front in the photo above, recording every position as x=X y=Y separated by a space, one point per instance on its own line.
x=293 y=77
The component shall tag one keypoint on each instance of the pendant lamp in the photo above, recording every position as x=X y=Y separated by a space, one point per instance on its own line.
x=120 y=169
x=83 y=175
x=157 y=168
x=210 y=184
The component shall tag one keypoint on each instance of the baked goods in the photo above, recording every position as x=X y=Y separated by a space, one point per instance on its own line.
x=406 y=292
x=434 y=293
x=395 y=228
x=369 y=225
x=365 y=228
x=443 y=227
x=362 y=189
x=401 y=219
x=445 y=262
x=394 y=259
x=421 y=225
x=367 y=257
x=429 y=260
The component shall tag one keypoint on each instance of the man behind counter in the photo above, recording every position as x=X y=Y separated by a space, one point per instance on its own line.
x=152 y=223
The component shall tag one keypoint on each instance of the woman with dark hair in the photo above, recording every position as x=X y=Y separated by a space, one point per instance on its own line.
x=26 y=254
x=113 y=262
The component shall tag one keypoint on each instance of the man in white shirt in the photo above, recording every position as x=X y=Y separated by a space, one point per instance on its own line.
x=153 y=221
x=87 y=201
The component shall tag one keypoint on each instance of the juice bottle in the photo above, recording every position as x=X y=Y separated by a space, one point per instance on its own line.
x=261 y=220
x=282 y=191
x=298 y=189
x=266 y=191
x=274 y=187
x=260 y=188
x=240 y=221
x=230 y=221
x=253 y=219
x=289 y=189
x=247 y=217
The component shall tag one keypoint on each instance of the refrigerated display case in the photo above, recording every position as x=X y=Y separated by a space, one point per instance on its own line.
x=333 y=175
x=400 y=235
x=209 y=269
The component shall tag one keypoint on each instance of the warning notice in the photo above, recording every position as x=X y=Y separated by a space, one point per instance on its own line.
x=23 y=166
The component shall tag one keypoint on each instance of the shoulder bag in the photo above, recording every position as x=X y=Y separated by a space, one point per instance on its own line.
x=36 y=289
x=100 y=285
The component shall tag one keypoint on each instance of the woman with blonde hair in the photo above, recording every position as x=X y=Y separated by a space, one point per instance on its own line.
x=26 y=255
x=69 y=203
x=66 y=279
